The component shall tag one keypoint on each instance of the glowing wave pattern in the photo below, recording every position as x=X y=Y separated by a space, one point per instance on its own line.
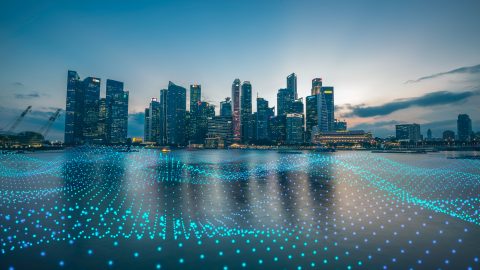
x=99 y=193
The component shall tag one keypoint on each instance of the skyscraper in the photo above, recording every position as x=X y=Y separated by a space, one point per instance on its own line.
x=90 y=108
x=117 y=112
x=328 y=95
x=204 y=111
x=285 y=99
x=322 y=112
x=262 y=117
x=316 y=86
x=162 y=140
x=152 y=122
x=311 y=116
x=292 y=84
x=246 y=112
x=294 y=128
x=175 y=114
x=73 y=116
x=297 y=106
x=102 y=121
x=194 y=115
x=195 y=95
x=408 y=132
x=226 y=107
x=236 y=111
x=464 y=128
x=219 y=132
x=340 y=125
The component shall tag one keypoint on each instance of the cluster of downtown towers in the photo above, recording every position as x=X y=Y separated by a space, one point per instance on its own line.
x=91 y=119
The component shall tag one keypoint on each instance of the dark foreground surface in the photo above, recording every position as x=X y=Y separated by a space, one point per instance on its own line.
x=91 y=208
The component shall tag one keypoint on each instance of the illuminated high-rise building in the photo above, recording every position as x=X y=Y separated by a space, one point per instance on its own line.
x=262 y=119
x=292 y=84
x=152 y=122
x=294 y=128
x=117 y=112
x=194 y=115
x=226 y=107
x=285 y=99
x=73 y=117
x=316 y=86
x=176 y=100
x=236 y=111
x=246 y=112
x=311 y=116
x=464 y=127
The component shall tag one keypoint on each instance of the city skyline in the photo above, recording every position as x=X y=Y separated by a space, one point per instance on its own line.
x=374 y=72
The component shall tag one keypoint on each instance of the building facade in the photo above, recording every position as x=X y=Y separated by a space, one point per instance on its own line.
x=176 y=100
x=292 y=84
x=464 y=128
x=117 y=112
x=236 y=111
x=294 y=128
x=246 y=112
x=226 y=107
x=408 y=132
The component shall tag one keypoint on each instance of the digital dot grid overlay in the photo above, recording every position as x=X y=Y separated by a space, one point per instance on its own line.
x=98 y=208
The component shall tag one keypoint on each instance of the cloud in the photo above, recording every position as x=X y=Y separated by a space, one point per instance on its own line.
x=27 y=96
x=427 y=100
x=18 y=84
x=462 y=70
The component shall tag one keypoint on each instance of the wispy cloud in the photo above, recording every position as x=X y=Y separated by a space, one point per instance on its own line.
x=27 y=96
x=462 y=70
x=17 y=84
x=427 y=100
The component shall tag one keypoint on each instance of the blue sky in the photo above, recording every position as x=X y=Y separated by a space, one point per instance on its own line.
x=368 y=50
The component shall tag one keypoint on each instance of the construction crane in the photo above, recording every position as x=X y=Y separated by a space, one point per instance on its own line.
x=20 y=118
x=46 y=128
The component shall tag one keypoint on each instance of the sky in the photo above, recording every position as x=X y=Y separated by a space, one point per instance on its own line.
x=390 y=61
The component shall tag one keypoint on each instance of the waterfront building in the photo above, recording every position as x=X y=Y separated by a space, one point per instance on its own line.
x=316 y=86
x=311 y=116
x=152 y=122
x=89 y=106
x=342 y=137
x=102 y=120
x=327 y=93
x=220 y=132
x=193 y=117
x=82 y=109
x=292 y=84
x=285 y=99
x=236 y=110
x=195 y=96
x=117 y=112
x=448 y=135
x=294 y=128
x=162 y=140
x=340 y=125
x=73 y=118
x=246 y=112
x=297 y=106
x=429 y=134
x=277 y=129
x=408 y=132
x=226 y=107
x=262 y=118
x=464 y=128
x=204 y=111
x=176 y=100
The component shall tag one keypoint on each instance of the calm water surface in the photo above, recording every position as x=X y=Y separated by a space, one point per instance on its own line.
x=96 y=208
